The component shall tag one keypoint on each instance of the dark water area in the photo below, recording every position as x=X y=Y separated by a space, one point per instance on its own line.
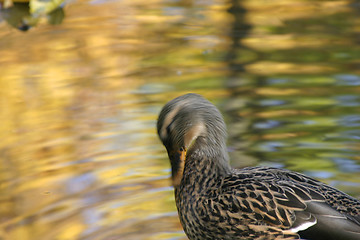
x=79 y=156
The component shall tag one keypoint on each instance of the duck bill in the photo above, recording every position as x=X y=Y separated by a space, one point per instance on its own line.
x=177 y=159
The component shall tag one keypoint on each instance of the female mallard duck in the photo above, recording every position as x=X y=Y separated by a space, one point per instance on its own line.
x=215 y=201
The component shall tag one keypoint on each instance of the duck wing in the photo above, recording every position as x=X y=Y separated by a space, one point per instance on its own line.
x=281 y=204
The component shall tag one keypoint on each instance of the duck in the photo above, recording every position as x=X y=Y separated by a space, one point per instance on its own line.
x=218 y=202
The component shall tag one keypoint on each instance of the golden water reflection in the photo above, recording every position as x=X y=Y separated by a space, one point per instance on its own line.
x=77 y=169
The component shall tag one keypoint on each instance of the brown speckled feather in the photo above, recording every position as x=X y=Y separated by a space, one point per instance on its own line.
x=215 y=201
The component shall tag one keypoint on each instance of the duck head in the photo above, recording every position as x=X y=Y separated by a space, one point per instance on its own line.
x=189 y=124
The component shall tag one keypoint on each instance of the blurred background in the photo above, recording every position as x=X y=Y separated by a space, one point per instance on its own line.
x=82 y=83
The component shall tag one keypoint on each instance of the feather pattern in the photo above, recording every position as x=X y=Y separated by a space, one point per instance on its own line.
x=215 y=201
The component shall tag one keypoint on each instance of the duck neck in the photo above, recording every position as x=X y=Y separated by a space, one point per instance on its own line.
x=204 y=168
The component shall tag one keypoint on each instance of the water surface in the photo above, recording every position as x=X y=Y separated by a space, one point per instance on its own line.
x=79 y=154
